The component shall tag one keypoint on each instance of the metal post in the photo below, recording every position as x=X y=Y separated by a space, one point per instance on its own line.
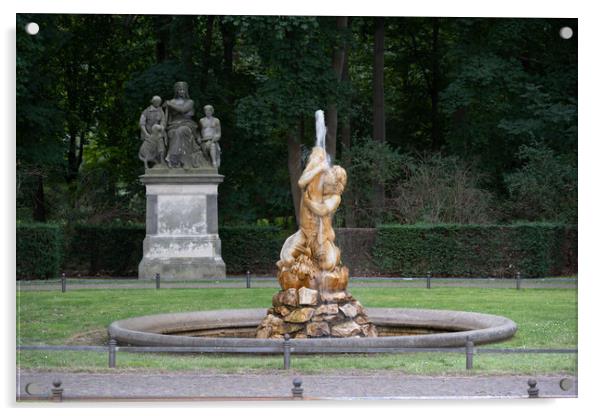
x=56 y=394
x=112 y=352
x=428 y=279
x=297 y=390
x=469 y=353
x=248 y=279
x=63 y=283
x=158 y=281
x=287 y=351
x=533 y=390
x=518 y=280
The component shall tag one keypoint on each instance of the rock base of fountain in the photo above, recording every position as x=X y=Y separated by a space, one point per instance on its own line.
x=307 y=313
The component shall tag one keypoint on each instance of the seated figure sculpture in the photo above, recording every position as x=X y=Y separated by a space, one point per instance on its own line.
x=185 y=143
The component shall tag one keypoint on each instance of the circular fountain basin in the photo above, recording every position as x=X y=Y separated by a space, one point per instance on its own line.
x=398 y=328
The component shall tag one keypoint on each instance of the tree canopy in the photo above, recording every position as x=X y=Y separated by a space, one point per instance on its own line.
x=482 y=110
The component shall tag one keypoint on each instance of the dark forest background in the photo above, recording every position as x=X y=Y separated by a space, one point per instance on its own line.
x=437 y=120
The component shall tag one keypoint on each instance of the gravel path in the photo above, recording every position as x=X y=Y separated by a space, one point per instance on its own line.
x=344 y=385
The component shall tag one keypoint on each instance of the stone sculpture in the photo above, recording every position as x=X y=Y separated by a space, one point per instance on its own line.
x=152 y=134
x=314 y=301
x=211 y=132
x=183 y=144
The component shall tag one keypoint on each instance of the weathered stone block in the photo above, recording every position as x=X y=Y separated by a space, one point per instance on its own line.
x=346 y=329
x=327 y=309
x=369 y=330
x=282 y=310
x=349 y=310
x=285 y=297
x=361 y=319
x=300 y=315
x=318 y=329
x=336 y=297
x=308 y=296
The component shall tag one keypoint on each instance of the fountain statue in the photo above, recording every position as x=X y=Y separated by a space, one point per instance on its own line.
x=314 y=301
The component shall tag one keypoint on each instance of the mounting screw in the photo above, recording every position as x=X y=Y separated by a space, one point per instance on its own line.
x=297 y=390
x=533 y=390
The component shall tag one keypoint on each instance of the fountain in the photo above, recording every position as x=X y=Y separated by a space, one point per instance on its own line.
x=313 y=306
x=314 y=301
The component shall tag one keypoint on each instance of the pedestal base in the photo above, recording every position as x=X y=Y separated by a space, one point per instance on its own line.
x=182 y=240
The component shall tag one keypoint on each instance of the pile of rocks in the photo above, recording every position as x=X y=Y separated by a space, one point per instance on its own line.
x=307 y=313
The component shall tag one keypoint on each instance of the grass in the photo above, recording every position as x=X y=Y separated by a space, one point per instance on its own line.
x=545 y=317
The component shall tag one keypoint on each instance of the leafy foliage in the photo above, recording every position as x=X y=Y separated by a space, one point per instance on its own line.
x=544 y=187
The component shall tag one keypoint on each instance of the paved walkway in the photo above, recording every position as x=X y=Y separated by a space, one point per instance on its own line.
x=271 y=282
x=345 y=385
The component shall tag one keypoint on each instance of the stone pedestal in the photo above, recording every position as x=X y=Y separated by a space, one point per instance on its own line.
x=182 y=240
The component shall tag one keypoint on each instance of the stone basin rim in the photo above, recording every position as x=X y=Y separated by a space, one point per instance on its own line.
x=481 y=328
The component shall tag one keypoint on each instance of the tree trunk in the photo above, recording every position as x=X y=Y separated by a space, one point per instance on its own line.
x=348 y=205
x=72 y=155
x=378 y=81
x=228 y=39
x=294 y=167
x=207 y=52
x=188 y=43
x=338 y=58
x=436 y=138
x=378 y=106
x=161 y=29
x=39 y=206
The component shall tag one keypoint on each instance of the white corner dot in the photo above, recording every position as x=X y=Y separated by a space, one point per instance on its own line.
x=566 y=32
x=32 y=28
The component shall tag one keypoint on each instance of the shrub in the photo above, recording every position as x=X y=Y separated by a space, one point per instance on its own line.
x=39 y=250
x=112 y=249
x=545 y=187
x=441 y=190
x=534 y=249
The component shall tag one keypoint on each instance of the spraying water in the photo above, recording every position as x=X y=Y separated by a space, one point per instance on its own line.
x=320 y=129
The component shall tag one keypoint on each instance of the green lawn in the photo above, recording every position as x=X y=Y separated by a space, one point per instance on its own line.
x=545 y=318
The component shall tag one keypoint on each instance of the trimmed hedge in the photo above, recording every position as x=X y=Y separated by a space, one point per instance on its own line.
x=253 y=248
x=409 y=250
x=476 y=250
x=108 y=249
x=39 y=250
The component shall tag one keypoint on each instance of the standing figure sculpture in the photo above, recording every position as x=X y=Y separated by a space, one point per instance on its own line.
x=211 y=132
x=152 y=133
x=182 y=132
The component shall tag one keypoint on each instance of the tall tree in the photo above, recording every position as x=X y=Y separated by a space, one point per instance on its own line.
x=338 y=57
x=378 y=99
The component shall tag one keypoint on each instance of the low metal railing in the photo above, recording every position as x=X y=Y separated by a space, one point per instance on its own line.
x=286 y=349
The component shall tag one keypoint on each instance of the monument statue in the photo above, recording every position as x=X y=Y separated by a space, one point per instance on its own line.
x=183 y=144
x=314 y=301
x=181 y=180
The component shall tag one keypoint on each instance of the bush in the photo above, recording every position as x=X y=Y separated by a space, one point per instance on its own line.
x=39 y=250
x=112 y=249
x=545 y=188
x=535 y=249
x=441 y=189
x=253 y=248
